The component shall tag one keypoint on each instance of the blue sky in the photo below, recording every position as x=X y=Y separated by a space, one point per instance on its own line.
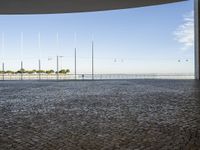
x=140 y=40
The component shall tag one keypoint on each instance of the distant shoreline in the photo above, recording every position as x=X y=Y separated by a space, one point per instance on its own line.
x=43 y=76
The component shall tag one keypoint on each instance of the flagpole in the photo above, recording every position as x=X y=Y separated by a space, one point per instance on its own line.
x=75 y=57
x=21 y=51
x=39 y=61
x=2 y=53
x=75 y=63
x=92 y=60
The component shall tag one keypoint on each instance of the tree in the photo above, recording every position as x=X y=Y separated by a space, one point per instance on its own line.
x=21 y=71
x=33 y=71
x=41 y=71
x=67 y=71
x=64 y=71
x=9 y=72
x=50 y=71
x=30 y=71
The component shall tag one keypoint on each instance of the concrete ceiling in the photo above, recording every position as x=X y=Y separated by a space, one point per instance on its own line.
x=68 y=6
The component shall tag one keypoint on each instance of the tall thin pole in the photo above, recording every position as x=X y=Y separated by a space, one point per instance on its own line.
x=75 y=58
x=57 y=43
x=57 y=67
x=22 y=70
x=197 y=38
x=22 y=47
x=75 y=63
x=39 y=63
x=92 y=60
x=3 y=69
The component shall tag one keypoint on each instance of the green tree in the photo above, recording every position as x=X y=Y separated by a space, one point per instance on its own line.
x=31 y=71
x=64 y=71
x=21 y=71
x=50 y=71
x=34 y=71
x=41 y=71
x=9 y=72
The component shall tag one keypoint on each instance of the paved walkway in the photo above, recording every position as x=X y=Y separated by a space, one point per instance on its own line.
x=100 y=115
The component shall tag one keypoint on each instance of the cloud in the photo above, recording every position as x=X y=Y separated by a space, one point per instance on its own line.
x=184 y=34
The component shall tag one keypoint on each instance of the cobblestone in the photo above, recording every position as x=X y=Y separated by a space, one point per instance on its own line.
x=100 y=115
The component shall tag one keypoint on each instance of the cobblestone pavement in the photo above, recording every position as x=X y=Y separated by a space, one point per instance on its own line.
x=100 y=115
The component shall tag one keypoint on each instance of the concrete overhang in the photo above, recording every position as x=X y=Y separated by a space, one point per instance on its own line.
x=68 y=6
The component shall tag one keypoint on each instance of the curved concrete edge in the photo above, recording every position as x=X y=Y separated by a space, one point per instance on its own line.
x=70 y=6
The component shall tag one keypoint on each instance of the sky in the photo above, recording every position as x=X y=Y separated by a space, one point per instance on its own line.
x=155 y=39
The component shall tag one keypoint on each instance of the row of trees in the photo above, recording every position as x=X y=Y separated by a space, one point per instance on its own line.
x=63 y=71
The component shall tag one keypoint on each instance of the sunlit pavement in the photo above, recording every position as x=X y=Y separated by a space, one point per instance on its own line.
x=94 y=115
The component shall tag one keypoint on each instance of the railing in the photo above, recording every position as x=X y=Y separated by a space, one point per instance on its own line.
x=96 y=76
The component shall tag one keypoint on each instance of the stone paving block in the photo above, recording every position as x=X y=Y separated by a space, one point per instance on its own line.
x=100 y=115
